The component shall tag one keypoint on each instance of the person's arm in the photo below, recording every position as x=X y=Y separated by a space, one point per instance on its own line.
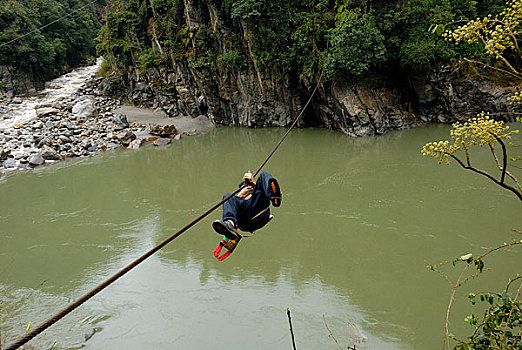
x=245 y=192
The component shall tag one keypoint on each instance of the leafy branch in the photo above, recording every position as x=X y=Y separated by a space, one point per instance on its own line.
x=506 y=313
x=481 y=131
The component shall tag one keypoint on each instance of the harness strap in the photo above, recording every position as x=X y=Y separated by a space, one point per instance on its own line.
x=261 y=212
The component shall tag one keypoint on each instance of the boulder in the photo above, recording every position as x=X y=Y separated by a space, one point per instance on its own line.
x=135 y=144
x=126 y=138
x=36 y=159
x=85 y=108
x=4 y=154
x=148 y=140
x=49 y=153
x=121 y=120
x=162 y=142
x=141 y=142
x=163 y=130
x=10 y=163
x=46 y=111
x=64 y=139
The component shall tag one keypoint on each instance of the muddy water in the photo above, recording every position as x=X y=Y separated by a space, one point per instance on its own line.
x=345 y=252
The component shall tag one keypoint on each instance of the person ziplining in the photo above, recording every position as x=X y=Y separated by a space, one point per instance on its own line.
x=247 y=211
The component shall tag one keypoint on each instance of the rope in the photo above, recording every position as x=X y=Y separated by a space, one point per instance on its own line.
x=47 y=25
x=289 y=129
x=30 y=335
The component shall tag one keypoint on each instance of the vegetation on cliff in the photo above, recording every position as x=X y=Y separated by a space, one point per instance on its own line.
x=296 y=38
x=42 y=37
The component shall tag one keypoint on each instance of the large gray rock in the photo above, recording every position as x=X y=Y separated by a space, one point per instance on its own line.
x=161 y=142
x=36 y=159
x=121 y=120
x=446 y=94
x=10 y=163
x=49 y=153
x=85 y=108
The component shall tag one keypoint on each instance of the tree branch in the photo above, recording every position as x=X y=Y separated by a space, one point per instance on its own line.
x=452 y=298
x=517 y=74
x=503 y=168
x=483 y=173
x=458 y=283
x=513 y=280
x=331 y=334
x=291 y=329
x=504 y=158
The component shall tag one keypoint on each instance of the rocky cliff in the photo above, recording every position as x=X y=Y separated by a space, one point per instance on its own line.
x=244 y=93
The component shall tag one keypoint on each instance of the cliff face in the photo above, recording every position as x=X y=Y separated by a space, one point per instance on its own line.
x=246 y=94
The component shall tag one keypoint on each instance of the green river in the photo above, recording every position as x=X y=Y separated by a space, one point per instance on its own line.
x=360 y=216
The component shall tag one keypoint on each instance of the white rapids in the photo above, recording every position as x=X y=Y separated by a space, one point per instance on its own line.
x=56 y=89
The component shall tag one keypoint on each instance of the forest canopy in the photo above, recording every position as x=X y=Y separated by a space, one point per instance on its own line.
x=41 y=37
x=298 y=38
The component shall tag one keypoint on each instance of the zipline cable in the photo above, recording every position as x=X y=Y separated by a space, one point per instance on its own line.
x=289 y=129
x=33 y=333
x=47 y=25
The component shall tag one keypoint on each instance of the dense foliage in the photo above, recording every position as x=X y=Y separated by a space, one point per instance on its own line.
x=497 y=35
x=298 y=38
x=41 y=37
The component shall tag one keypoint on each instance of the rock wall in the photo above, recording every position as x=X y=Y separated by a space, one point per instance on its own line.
x=14 y=83
x=255 y=97
x=446 y=94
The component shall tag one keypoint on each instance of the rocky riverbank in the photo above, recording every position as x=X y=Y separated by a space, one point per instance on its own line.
x=80 y=125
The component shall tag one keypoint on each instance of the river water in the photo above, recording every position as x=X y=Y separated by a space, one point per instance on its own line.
x=345 y=252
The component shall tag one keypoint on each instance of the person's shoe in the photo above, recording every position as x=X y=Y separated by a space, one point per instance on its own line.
x=226 y=228
x=275 y=192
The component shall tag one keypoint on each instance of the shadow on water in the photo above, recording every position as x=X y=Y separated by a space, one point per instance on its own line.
x=358 y=219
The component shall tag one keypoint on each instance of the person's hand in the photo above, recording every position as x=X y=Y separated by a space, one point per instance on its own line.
x=245 y=192
x=249 y=178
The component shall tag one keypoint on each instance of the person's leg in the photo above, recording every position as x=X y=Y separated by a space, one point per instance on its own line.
x=231 y=208
x=262 y=184
x=269 y=187
x=228 y=227
x=260 y=197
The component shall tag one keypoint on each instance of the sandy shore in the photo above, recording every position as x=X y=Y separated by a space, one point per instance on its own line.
x=149 y=116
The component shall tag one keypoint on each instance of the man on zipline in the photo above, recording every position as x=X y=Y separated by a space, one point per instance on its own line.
x=249 y=210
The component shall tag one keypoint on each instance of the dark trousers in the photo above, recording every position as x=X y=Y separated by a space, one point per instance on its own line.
x=241 y=211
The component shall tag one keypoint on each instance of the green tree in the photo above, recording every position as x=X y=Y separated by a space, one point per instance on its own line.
x=498 y=35
x=42 y=37
x=356 y=44
x=295 y=39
